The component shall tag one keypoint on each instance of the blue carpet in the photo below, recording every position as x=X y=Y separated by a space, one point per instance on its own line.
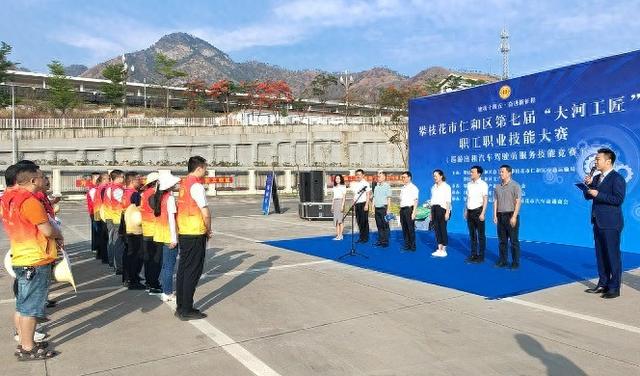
x=542 y=265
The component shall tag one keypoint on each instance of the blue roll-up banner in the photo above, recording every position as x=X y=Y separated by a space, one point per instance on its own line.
x=266 y=200
x=547 y=127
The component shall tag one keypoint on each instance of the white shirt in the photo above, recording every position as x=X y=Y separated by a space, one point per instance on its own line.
x=172 y=210
x=356 y=186
x=441 y=195
x=339 y=191
x=476 y=192
x=117 y=193
x=198 y=194
x=409 y=195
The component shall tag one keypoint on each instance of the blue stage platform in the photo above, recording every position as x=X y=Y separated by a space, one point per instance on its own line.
x=542 y=265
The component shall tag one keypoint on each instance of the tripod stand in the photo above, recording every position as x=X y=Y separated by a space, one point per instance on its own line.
x=352 y=251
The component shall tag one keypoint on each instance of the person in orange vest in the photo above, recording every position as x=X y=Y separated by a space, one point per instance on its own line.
x=152 y=250
x=194 y=229
x=98 y=196
x=33 y=251
x=164 y=209
x=132 y=258
x=10 y=182
x=113 y=205
x=91 y=191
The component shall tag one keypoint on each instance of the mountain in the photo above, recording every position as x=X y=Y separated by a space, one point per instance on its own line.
x=75 y=69
x=200 y=60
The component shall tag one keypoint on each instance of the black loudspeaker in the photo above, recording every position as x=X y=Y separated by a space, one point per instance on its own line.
x=311 y=186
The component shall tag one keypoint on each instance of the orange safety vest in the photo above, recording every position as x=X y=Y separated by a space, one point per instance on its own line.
x=190 y=221
x=126 y=198
x=98 y=202
x=148 y=218
x=29 y=247
x=116 y=207
x=162 y=233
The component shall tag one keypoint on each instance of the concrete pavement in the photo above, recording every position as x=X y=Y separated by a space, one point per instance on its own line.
x=276 y=312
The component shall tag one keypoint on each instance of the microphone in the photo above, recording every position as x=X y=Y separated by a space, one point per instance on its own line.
x=593 y=170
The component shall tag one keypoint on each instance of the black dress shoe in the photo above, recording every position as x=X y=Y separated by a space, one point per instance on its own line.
x=611 y=294
x=515 y=266
x=192 y=315
x=478 y=260
x=501 y=264
x=470 y=259
x=597 y=290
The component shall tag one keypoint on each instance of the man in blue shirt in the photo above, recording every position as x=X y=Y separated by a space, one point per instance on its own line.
x=381 y=202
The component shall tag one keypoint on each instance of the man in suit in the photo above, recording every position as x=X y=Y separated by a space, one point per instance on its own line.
x=607 y=190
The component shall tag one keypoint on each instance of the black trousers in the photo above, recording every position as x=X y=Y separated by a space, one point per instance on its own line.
x=94 y=233
x=408 y=227
x=508 y=233
x=608 y=258
x=134 y=258
x=190 y=265
x=440 y=224
x=152 y=261
x=102 y=241
x=382 y=225
x=362 y=217
x=476 y=232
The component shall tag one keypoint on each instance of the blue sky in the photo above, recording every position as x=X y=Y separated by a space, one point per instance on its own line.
x=404 y=35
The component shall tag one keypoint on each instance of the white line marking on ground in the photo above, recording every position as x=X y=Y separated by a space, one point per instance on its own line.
x=81 y=234
x=242 y=355
x=256 y=270
x=237 y=237
x=575 y=315
x=240 y=216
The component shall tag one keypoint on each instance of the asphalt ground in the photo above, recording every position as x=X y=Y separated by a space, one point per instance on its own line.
x=276 y=312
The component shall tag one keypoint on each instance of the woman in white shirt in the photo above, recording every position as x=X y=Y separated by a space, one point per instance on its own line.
x=440 y=211
x=339 y=192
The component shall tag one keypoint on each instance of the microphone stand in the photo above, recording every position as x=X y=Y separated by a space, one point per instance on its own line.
x=352 y=251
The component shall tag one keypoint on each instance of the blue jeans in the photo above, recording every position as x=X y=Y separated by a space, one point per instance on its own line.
x=169 y=256
x=32 y=294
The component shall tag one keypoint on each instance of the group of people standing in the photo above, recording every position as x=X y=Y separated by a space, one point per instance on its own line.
x=138 y=223
x=506 y=210
x=605 y=187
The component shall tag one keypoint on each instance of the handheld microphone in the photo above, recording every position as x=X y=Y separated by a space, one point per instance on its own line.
x=593 y=170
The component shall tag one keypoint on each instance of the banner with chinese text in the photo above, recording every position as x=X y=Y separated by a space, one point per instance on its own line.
x=547 y=127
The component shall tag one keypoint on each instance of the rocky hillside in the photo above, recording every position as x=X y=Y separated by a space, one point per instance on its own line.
x=200 y=60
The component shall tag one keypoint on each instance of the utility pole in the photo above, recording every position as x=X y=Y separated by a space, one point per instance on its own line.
x=346 y=81
x=14 y=139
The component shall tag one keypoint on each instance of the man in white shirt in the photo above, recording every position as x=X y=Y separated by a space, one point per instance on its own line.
x=408 y=206
x=361 y=196
x=475 y=212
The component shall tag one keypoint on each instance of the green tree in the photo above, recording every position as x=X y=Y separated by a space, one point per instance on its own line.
x=166 y=68
x=61 y=94
x=5 y=64
x=114 y=90
x=321 y=84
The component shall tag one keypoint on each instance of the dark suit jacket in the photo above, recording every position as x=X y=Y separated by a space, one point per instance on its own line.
x=606 y=210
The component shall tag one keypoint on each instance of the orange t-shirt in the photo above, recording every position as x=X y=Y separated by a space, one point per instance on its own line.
x=33 y=211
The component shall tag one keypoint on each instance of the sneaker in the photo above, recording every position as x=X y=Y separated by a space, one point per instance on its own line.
x=153 y=291
x=439 y=253
x=37 y=337
x=165 y=297
x=336 y=238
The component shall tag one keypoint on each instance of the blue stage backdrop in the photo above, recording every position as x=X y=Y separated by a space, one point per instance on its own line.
x=547 y=126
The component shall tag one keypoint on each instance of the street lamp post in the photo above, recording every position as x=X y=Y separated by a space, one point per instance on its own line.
x=346 y=81
x=125 y=71
x=14 y=139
